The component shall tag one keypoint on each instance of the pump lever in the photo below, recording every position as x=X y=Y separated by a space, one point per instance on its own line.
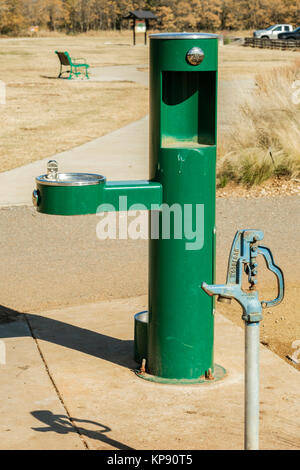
x=243 y=254
x=267 y=254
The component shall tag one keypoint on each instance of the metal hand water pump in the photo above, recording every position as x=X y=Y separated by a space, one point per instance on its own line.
x=243 y=255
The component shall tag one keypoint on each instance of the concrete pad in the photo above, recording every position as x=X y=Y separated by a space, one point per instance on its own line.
x=88 y=350
x=25 y=387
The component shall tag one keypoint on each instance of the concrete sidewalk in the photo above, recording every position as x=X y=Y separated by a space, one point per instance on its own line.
x=78 y=389
x=122 y=154
x=25 y=387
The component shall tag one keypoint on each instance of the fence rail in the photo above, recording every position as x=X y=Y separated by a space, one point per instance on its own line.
x=283 y=44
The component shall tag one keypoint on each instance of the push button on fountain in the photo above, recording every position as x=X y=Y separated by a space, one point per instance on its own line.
x=195 y=56
x=52 y=170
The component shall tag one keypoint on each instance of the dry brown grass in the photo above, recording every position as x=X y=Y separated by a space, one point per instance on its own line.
x=265 y=140
x=43 y=115
x=246 y=62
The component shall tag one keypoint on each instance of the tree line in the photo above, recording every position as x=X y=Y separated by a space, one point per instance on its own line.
x=72 y=16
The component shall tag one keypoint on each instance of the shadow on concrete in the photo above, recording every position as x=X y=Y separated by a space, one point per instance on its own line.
x=62 y=424
x=51 y=78
x=80 y=339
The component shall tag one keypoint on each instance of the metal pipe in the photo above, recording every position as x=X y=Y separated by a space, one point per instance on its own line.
x=243 y=255
x=251 y=385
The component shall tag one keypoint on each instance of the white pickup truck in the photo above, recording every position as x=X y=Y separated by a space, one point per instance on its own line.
x=273 y=31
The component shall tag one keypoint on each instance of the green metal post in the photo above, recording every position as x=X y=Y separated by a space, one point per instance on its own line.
x=183 y=116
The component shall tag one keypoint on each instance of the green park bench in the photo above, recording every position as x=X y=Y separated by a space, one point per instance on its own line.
x=77 y=66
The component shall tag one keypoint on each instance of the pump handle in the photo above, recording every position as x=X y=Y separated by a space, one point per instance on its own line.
x=267 y=254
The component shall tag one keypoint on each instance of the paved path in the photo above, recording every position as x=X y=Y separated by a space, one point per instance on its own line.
x=119 y=155
x=122 y=154
x=48 y=261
